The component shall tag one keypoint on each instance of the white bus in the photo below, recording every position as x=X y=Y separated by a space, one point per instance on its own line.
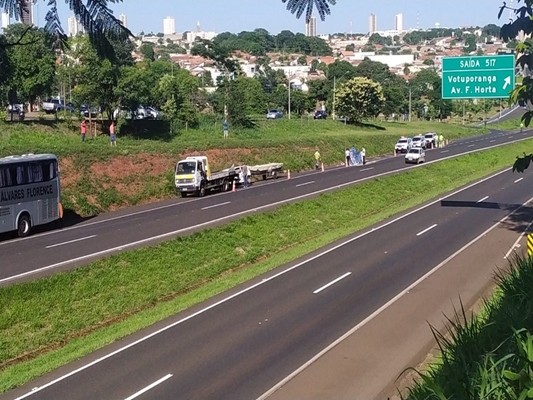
x=30 y=193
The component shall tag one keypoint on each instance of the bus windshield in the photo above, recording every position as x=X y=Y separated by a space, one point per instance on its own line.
x=186 y=167
x=29 y=192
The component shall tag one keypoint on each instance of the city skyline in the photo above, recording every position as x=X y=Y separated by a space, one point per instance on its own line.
x=345 y=17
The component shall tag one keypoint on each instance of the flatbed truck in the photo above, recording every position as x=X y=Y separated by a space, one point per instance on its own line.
x=193 y=176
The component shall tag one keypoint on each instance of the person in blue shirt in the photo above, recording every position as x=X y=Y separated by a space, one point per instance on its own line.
x=225 y=128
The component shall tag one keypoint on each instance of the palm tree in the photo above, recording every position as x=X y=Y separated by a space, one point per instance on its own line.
x=299 y=6
x=96 y=18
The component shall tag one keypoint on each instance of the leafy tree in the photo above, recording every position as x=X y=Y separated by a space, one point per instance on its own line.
x=33 y=61
x=428 y=61
x=376 y=38
x=319 y=90
x=302 y=60
x=314 y=65
x=359 y=98
x=341 y=70
x=350 y=47
x=147 y=51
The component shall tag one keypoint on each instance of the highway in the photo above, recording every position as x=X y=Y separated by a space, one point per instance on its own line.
x=240 y=344
x=57 y=250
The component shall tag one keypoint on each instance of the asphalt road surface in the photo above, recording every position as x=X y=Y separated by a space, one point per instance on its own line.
x=241 y=343
x=57 y=250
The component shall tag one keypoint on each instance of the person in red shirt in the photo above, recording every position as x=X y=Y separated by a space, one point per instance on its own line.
x=83 y=129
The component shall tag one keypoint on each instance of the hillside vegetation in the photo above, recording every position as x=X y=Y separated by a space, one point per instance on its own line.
x=97 y=177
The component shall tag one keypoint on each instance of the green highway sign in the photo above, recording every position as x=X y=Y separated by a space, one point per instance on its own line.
x=478 y=77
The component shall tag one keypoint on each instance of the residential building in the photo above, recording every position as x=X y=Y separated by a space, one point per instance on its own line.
x=310 y=27
x=199 y=34
x=169 y=26
x=5 y=20
x=372 y=23
x=74 y=26
x=399 y=22
x=26 y=12
x=123 y=20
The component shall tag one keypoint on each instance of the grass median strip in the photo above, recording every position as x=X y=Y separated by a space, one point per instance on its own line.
x=49 y=322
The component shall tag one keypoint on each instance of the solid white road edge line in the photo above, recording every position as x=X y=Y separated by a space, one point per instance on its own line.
x=216 y=205
x=515 y=245
x=518 y=180
x=305 y=183
x=147 y=388
x=426 y=230
x=483 y=199
x=203 y=224
x=271 y=183
x=332 y=282
x=281 y=273
x=70 y=241
x=384 y=307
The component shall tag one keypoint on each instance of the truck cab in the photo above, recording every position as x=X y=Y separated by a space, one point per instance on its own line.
x=191 y=175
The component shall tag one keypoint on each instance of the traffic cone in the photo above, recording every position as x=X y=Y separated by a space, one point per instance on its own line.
x=234 y=189
x=288 y=174
x=322 y=167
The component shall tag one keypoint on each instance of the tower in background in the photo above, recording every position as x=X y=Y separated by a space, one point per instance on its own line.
x=123 y=20
x=399 y=22
x=310 y=26
x=372 y=23
x=74 y=26
x=5 y=20
x=169 y=26
x=26 y=12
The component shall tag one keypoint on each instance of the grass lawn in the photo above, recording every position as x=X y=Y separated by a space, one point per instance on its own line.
x=97 y=177
x=52 y=321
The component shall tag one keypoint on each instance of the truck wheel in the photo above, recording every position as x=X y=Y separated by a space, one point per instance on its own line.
x=225 y=185
x=183 y=194
x=24 y=226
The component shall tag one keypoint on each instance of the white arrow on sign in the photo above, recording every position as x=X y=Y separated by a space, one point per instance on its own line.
x=507 y=82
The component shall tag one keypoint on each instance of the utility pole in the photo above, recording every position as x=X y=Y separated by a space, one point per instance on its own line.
x=289 y=87
x=333 y=113
x=410 y=101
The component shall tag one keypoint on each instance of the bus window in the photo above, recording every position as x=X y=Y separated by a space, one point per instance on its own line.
x=35 y=172
x=2 y=178
x=20 y=175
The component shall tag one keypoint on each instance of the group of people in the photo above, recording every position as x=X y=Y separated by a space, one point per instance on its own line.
x=352 y=156
x=112 y=134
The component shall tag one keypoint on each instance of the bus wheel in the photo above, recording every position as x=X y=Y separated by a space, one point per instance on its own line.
x=24 y=226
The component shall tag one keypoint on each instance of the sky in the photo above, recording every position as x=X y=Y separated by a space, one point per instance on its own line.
x=247 y=15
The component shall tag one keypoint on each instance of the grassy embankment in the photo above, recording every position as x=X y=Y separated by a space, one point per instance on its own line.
x=488 y=356
x=49 y=322
x=97 y=177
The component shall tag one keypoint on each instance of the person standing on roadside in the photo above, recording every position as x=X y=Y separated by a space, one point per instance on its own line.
x=112 y=135
x=317 y=160
x=441 y=141
x=347 y=156
x=83 y=129
x=225 y=128
x=363 y=155
x=245 y=175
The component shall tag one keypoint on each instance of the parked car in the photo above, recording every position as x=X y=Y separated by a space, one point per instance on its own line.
x=274 y=114
x=431 y=139
x=16 y=107
x=403 y=145
x=50 y=106
x=122 y=112
x=419 y=141
x=320 y=114
x=415 y=155
x=69 y=107
x=153 y=113
x=84 y=110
